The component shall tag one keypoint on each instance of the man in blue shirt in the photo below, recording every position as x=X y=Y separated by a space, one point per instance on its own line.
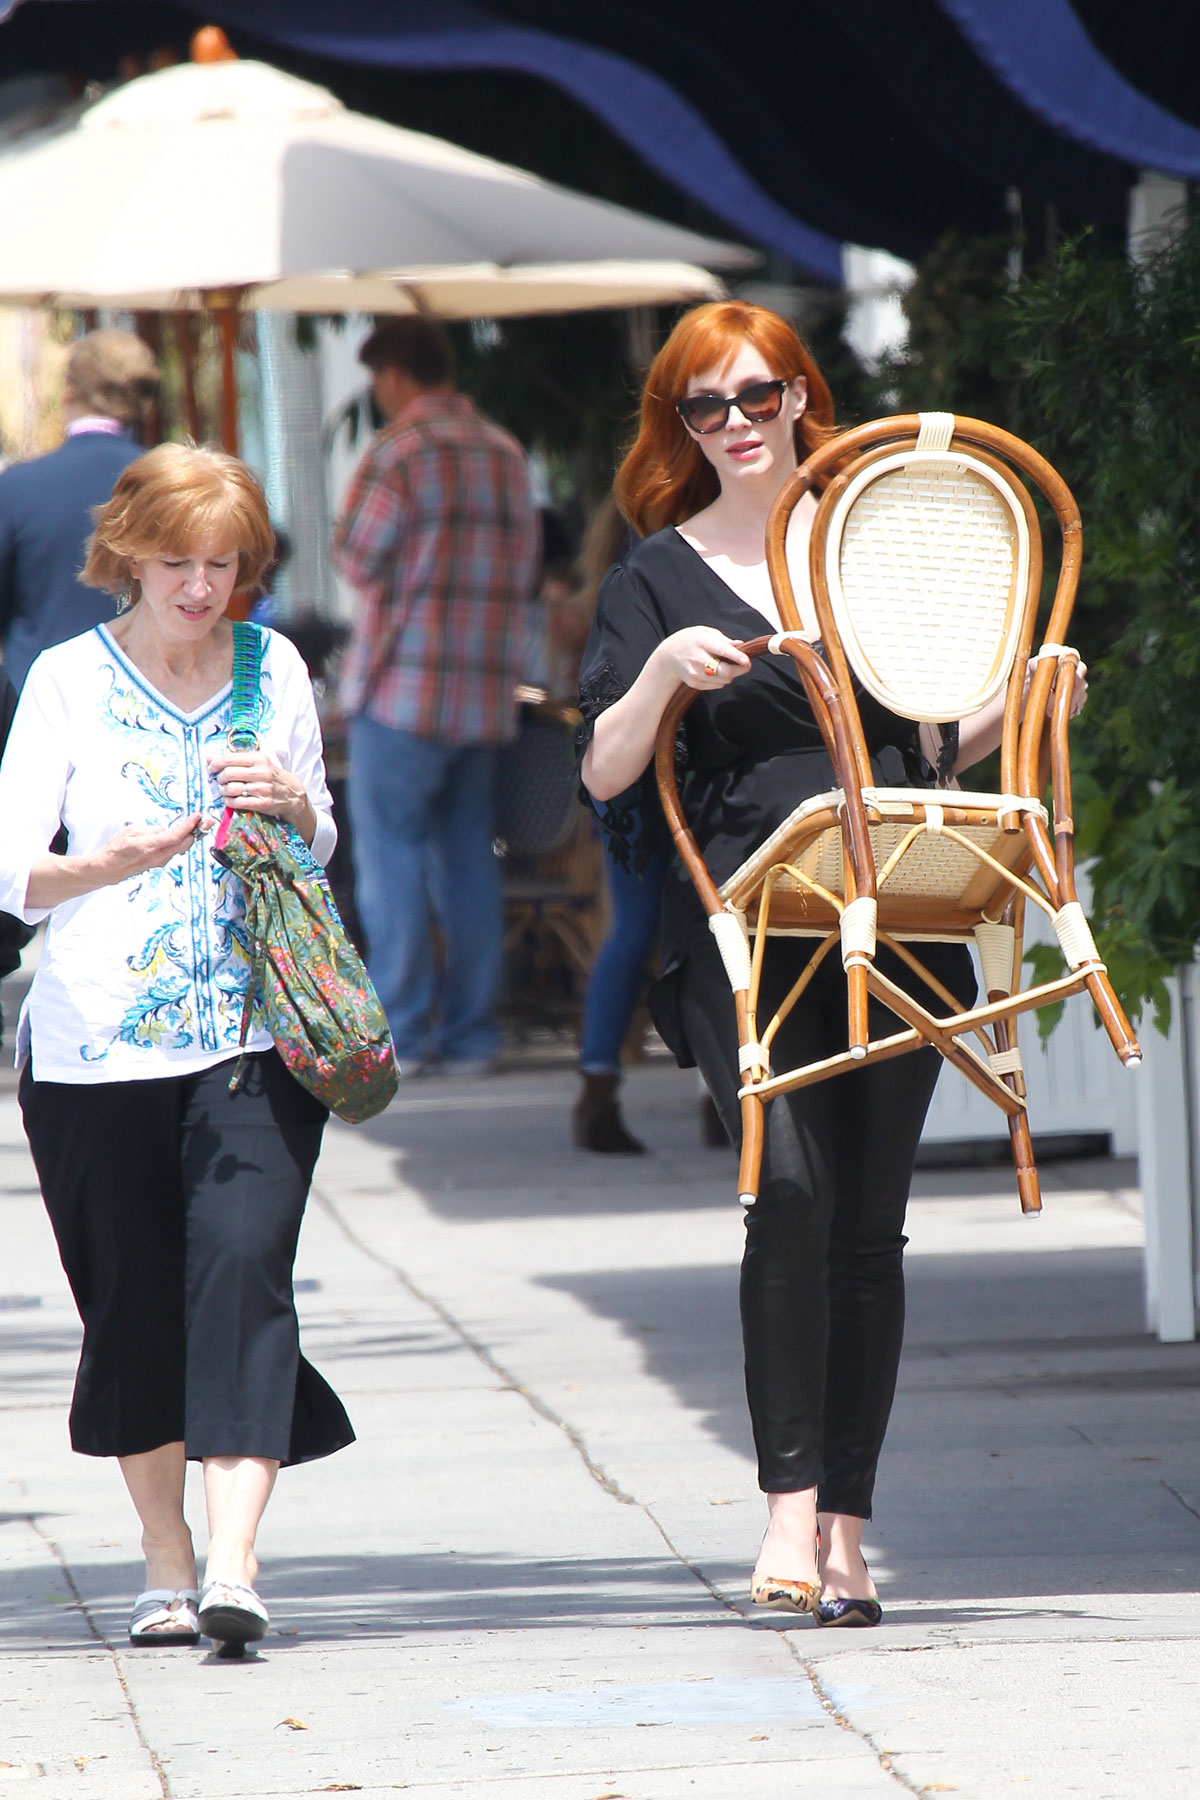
x=13 y=934
x=46 y=504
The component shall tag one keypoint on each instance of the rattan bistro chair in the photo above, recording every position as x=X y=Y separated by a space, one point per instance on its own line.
x=926 y=569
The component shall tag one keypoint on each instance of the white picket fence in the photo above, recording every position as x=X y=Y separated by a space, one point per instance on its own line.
x=1076 y=1084
x=1168 y=1088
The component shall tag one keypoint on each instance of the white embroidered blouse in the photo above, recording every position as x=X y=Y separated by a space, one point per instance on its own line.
x=148 y=977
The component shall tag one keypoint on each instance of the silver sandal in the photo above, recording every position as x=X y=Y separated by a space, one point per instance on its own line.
x=159 y=1607
x=232 y=1613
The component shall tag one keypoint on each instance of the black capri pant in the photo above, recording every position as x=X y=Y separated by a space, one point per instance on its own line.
x=822 y=1284
x=177 y=1206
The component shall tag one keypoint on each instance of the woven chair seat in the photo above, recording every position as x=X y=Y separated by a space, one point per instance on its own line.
x=936 y=868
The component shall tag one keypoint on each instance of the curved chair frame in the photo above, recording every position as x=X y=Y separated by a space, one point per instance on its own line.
x=864 y=863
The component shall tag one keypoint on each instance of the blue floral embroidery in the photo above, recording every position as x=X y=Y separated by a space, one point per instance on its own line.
x=159 y=791
x=129 y=707
x=193 y=967
x=157 y=952
x=160 y=1017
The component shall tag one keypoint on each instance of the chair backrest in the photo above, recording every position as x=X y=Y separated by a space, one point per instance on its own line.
x=923 y=549
x=537 y=787
x=926 y=564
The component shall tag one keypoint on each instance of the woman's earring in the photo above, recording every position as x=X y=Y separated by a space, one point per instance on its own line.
x=124 y=601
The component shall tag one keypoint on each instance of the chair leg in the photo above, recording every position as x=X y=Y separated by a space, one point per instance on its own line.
x=1112 y=1017
x=750 y=1159
x=1028 y=1186
x=856 y=998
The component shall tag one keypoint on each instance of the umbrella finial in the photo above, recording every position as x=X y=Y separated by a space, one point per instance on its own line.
x=210 y=45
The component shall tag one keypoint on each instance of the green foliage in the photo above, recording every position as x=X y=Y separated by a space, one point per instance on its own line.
x=955 y=356
x=1096 y=361
x=1109 y=353
x=854 y=389
x=1046 y=963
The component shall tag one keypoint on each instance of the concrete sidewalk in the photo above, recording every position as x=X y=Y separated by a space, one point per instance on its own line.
x=528 y=1577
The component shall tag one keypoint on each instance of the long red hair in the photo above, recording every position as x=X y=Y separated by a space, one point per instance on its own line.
x=665 y=477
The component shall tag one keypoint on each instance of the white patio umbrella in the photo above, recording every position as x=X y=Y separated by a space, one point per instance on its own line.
x=233 y=185
x=236 y=175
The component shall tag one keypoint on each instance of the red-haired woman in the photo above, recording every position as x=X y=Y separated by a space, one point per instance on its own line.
x=731 y=402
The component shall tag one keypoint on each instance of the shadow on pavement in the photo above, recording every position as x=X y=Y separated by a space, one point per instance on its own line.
x=1036 y=1427
x=501 y=1148
x=343 y=1598
x=686 y=1325
x=1004 y=1301
x=1056 y=1308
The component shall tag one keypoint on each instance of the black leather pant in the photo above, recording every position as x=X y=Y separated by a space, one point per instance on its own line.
x=822 y=1285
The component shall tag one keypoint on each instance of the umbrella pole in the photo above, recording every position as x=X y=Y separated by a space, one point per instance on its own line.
x=185 y=339
x=210 y=45
x=223 y=307
x=148 y=326
x=225 y=313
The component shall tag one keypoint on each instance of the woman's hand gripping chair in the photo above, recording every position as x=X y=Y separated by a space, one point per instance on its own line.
x=926 y=568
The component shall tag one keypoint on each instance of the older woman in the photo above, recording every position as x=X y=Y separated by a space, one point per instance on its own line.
x=176 y=1204
x=731 y=402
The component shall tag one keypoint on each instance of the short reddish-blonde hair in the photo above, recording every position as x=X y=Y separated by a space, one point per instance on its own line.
x=171 y=499
x=665 y=477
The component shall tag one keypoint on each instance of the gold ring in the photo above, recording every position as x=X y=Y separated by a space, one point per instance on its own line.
x=710 y=668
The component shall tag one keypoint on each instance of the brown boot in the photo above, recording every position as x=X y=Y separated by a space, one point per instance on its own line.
x=596 y=1122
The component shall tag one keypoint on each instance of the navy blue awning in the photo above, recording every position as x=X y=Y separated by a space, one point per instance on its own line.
x=877 y=121
x=1041 y=52
x=646 y=111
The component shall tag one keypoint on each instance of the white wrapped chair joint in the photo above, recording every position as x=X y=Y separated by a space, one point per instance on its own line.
x=859 y=921
x=997 y=946
x=733 y=941
x=1075 y=936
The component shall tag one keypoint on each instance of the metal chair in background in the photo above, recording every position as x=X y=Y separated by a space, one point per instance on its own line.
x=552 y=879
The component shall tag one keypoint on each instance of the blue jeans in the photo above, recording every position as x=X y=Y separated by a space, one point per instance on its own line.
x=617 y=971
x=422 y=818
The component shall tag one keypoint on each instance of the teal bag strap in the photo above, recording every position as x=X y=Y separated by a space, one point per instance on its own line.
x=246 y=704
x=245 y=707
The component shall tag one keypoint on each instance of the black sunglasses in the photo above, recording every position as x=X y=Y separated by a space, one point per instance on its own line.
x=758 y=402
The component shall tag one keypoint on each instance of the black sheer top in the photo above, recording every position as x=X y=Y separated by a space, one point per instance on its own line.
x=746 y=755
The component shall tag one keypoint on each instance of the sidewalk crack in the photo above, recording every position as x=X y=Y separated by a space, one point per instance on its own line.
x=863 y=1737
x=811 y=1674
x=508 y=1380
x=1186 y=1505
x=600 y=1475
x=56 y=1551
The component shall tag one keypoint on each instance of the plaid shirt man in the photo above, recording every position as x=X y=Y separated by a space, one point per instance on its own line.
x=439 y=537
